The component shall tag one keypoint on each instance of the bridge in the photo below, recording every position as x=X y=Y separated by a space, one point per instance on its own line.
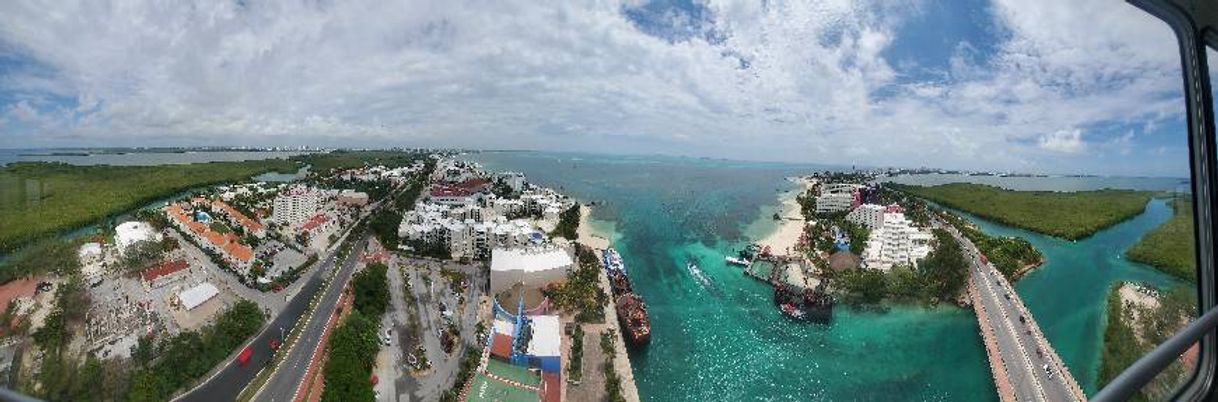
x=1025 y=366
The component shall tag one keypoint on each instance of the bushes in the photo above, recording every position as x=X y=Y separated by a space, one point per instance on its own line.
x=371 y=289
x=1008 y=254
x=1171 y=247
x=184 y=358
x=1123 y=345
x=353 y=348
x=1069 y=215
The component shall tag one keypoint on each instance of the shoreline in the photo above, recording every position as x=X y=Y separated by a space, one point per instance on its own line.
x=591 y=237
x=785 y=236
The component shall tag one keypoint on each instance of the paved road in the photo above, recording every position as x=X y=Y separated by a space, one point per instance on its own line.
x=290 y=374
x=232 y=378
x=1025 y=353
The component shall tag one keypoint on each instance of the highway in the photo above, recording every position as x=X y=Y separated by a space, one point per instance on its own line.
x=227 y=383
x=1034 y=371
x=231 y=379
x=289 y=375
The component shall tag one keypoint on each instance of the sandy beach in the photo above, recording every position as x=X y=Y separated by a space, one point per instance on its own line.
x=587 y=234
x=783 y=239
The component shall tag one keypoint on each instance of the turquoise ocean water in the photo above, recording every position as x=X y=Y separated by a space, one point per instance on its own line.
x=726 y=341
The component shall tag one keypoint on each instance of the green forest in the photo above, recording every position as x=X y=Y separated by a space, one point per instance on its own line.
x=40 y=199
x=1171 y=247
x=1069 y=215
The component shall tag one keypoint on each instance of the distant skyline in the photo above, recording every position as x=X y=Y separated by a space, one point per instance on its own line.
x=1089 y=87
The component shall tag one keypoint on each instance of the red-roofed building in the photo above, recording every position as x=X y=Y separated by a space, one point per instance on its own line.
x=315 y=222
x=501 y=346
x=251 y=226
x=164 y=273
x=227 y=245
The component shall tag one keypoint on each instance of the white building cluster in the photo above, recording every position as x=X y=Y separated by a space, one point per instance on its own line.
x=893 y=239
x=461 y=213
x=838 y=197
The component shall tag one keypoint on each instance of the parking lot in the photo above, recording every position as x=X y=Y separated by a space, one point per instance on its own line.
x=437 y=307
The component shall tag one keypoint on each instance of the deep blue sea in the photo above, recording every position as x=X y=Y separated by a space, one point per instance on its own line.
x=726 y=341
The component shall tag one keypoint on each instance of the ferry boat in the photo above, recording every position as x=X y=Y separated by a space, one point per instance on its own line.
x=630 y=307
x=737 y=261
x=632 y=316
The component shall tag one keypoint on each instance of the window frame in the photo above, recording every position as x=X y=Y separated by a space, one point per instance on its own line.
x=1192 y=39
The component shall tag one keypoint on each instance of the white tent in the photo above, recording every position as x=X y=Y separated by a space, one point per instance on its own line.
x=532 y=266
x=197 y=295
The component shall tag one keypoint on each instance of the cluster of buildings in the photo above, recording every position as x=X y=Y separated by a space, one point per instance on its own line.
x=196 y=223
x=397 y=176
x=463 y=215
x=844 y=197
x=893 y=239
x=300 y=209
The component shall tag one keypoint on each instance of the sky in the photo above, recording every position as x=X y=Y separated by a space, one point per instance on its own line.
x=1042 y=86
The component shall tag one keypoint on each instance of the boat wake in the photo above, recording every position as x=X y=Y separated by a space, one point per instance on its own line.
x=701 y=278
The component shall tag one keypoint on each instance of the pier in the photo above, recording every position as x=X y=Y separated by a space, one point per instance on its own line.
x=1024 y=365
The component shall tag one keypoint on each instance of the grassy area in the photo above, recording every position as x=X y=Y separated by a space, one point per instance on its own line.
x=1069 y=215
x=1171 y=247
x=39 y=199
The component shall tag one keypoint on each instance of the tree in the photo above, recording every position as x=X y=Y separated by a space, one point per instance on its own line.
x=385 y=225
x=945 y=269
x=371 y=290
x=568 y=223
x=353 y=347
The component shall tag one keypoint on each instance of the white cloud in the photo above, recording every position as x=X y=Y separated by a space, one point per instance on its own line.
x=1065 y=141
x=579 y=75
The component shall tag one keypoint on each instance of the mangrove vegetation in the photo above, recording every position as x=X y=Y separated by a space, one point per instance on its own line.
x=1069 y=215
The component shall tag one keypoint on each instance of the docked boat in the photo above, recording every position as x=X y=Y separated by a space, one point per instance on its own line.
x=792 y=311
x=630 y=307
x=737 y=261
x=613 y=261
x=632 y=316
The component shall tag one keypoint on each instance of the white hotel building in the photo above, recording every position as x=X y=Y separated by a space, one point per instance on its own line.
x=837 y=197
x=295 y=205
x=893 y=240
